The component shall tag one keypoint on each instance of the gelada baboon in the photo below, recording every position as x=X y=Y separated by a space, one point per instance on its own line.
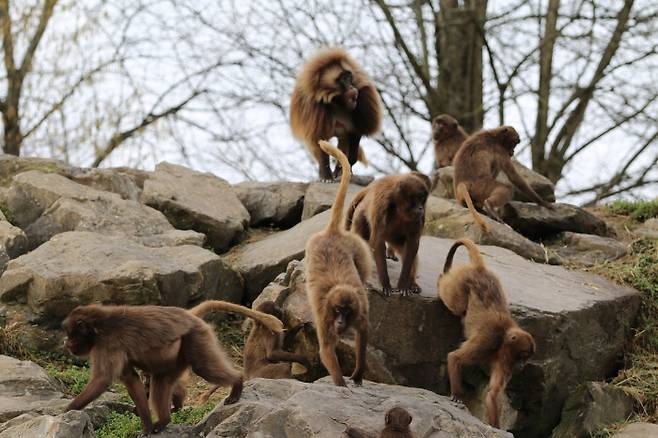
x=492 y=336
x=334 y=97
x=477 y=164
x=162 y=341
x=391 y=211
x=337 y=265
x=448 y=136
x=397 y=423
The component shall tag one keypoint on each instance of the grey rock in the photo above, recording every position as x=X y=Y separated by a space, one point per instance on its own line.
x=73 y=424
x=578 y=321
x=535 y=221
x=648 y=229
x=11 y=165
x=276 y=204
x=77 y=268
x=321 y=196
x=109 y=180
x=587 y=249
x=591 y=407
x=48 y=204
x=638 y=430
x=26 y=388
x=13 y=242
x=445 y=218
x=442 y=181
x=292 y=409
x=197 y=201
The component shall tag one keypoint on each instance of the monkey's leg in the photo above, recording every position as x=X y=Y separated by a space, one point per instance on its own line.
x=500 y=195
x=407 y=281
x=162 y=387
x=328 y=357
x=285 y=356
x=497 y=383
x=325 y=168
x=178 y=397
x=379 y=246
x=136 y=391
x=360 y=347
x=467 y=354
x=390 y=254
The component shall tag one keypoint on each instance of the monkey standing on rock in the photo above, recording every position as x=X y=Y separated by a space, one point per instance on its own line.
x=334 y=97
x=391 y=210
x=477 y=163
x=448 y=136
x=337 y=266
x=162 y=341
x=492 y=336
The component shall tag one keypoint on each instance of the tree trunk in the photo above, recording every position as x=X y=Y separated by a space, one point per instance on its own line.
x=460 y=67
x=12 y=131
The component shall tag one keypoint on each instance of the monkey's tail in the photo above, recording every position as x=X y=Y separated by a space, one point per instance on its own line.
x=361 y=156
x=339 y=204
x=462 y=193
x=473 y=253
x=271 y=322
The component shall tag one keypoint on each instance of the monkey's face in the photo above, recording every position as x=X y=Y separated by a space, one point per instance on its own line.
x=509 y=138
x=411 y=197
x=443 y=126
x=398 y=419
x=344 y=308
x=521 y=345
x=80 y=335
x=349 y=95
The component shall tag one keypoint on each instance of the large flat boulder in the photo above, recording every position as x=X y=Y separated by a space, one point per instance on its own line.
x=197 y=201
x=442 y=181
x=72 y=424
x=80 y=267
x=587 y=249
x=25 y=387
x=47 y=204
x=578 y=320
x=11 y=165
x=637 y=430
x=275 y=204
x=288 y=408
x=321 y=196
x=109 y=180
x=13 y=242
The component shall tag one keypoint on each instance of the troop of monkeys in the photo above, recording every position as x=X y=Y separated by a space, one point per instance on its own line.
x=333 y=97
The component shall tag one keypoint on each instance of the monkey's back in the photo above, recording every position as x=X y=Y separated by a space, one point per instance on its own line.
x=475 y=160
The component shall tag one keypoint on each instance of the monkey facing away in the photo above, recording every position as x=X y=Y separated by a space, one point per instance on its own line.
x=337 y=265
x=397 y=423
x=333 y=96
x=162 y=341
x=492 y=336
x=391 y=210
x=448 y=136
x=477 y=163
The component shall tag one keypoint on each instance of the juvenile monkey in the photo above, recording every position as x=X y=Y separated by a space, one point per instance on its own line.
x=477 y=163
x=397 y=423
x=337 y=265
x=391 y=211
x=333 y=96
x=162 y=341
x=448 y=136
x=492 y=336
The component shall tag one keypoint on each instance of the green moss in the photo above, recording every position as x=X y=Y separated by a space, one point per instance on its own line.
x=74 y=377
x=191 y=414
x=638 y=210
x=120 y=425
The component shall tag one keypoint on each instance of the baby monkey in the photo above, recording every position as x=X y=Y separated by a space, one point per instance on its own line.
x=492 y=336
x=397 y=423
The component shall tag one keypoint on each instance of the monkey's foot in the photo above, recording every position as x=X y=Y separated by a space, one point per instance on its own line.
x=358 y=381
x=413 y=289
x=392 y=257
x=159 y=426
x=457 y=399
x=387 y=291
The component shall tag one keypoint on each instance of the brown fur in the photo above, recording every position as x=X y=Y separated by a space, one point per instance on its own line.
x=492 y=336
x=477 y=164
x=397 y=423
x=448 y=136
x=391 y=211
x=162 y=341
x=337 y=265
x=318 y=111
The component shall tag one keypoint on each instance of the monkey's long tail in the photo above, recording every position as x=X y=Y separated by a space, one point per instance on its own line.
x=339 y=204
x=462 y=193
x=271 y=322
x=473 y=253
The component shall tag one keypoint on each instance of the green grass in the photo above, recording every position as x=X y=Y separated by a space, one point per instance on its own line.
x=73 y=377
x=638 y=210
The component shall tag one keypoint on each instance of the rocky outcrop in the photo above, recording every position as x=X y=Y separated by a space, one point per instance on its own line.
x=637 y=430
x=320 y=197
x=648 y=229
x=13 y=242
x=109 y=180
x=48 y=204
x=443 y=183
x=288 y=408
x=587 y=249
x=197 y=201
x=277 y=204
x=578 y=320
x=80 y=267
x=11 y=165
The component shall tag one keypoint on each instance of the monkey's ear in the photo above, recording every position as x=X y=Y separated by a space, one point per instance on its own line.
x=84 y=328
x=410 y=418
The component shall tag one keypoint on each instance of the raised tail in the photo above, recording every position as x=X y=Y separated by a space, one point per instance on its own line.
x=461 y=192
x=473 y=254
x=336 y=220
x=271 y=322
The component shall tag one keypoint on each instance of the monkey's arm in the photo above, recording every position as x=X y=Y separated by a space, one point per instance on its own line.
x=97 y=385
x=521 y=184
x=406 y=283
x=367 y=114
x=379 y=245
x=353 y=432
x=360 y=346
x=496 y=385
x=136 y=391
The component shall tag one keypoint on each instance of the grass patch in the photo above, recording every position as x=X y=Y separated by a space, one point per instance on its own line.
x=637 y=210
x=12 y=343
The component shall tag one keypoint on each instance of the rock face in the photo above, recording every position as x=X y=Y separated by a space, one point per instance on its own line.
x=320 y=197
x=26 y=388
x=277 y=204
x=72 y=424
x=47 y=204
x=578 y=321
x=649 y=228
x=587 y=249
x=443 y=183
x=638 y=430
x=197 y=201
x=591 y=407
x=11 y=165
x=288 y=408
x=110 y=180
x=79 y=267
x=13 y=242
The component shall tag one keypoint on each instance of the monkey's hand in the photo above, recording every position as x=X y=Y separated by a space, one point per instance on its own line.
x=408 y=290
x=358 y=380
x=387 y=291
x=457 y=398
